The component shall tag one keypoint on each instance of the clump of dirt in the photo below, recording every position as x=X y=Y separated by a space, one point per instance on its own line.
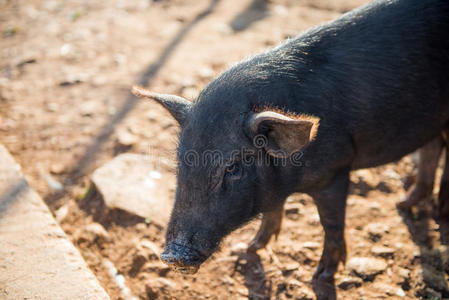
x=65 y=72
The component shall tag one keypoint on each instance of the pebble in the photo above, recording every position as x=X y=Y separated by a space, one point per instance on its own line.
x=366 y=267
x=294 y=282
x=239 y=247
x=349 y=283
x=125 y=138
x=376 y=230
x=62 y=213
x=314 y=219
x=311 y=245
x=206 y=73
x=290 y=266
x=153 y=249
x=88 y=108
x=243 y=291
x=165 y=283
x=57 y=168
x=400 y=292
x=385 y=288
x=382 y=251
x=92 y=233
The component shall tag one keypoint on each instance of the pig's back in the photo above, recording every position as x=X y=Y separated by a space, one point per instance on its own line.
x=387 y=85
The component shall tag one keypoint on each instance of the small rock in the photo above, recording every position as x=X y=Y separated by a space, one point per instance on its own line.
x=400 y=292
x=242 y=291
x=239 y=248
x=314 y=219
x=294 y=282
x=92 y=233
x=72 y=79
x=87 y=109
x=384 y=252
x=376 y=230
x=366 y=268
x=290 y=267
x=227 y=280
x=305 y=295
x=311 y=245
x=153 y=249
x=385 y=288
x=52 y=182
x=375 y=207
x=404 y=275
x=206 y=73
x=62 y=213
x=57 y=168
x=349 y=283
x=165 y=283
x=126 y=139
x=65 y=50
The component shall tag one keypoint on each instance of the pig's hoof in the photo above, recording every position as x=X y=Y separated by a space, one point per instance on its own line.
x=404 y=205
x=414 y=197
x=324 y=289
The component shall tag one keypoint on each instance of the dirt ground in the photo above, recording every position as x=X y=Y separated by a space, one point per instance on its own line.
x=66 y=68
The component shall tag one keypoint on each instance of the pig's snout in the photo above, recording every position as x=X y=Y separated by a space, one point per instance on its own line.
x=182 y=258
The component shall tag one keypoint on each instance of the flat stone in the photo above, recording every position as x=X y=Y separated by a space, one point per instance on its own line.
x=131 y=182
x=366 y=267
x=350 y=282
x=311 y=245
x=38 y=260
x=382 y=251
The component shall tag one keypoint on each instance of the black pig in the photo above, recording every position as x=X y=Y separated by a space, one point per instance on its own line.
x=358 y=92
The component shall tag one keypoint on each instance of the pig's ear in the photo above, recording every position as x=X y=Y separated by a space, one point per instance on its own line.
x=281 y=134
x=177 y=106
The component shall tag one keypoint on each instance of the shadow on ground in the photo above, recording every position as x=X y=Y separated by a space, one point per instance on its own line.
x=93 y=204
x=256 y=11
x=434 y=262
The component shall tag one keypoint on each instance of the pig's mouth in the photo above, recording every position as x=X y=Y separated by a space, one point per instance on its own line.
x=183 y=259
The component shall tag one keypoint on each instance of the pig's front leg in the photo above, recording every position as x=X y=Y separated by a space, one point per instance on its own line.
x=429 y=155
x=331 y=204
x=271 y=225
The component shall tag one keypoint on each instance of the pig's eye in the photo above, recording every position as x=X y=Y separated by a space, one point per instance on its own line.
x=233 y=170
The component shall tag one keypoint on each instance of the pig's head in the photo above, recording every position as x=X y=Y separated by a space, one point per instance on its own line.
x=227 y=171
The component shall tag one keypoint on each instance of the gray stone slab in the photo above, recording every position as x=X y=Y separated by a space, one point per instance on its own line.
x=139 y=184
x=37 y=260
